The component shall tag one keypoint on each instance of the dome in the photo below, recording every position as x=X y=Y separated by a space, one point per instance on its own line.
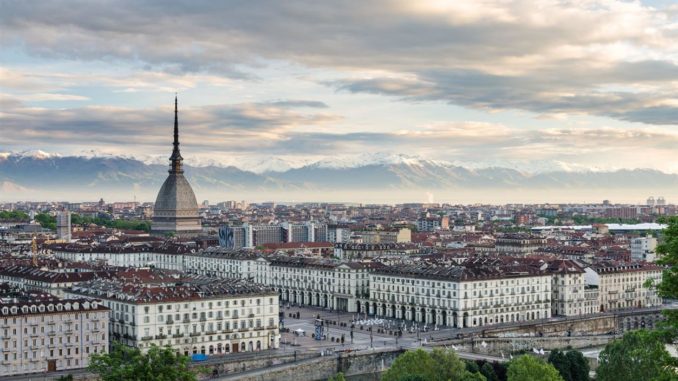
x=177 y=195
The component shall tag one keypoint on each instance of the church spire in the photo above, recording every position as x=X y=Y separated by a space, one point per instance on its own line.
x=176 y=159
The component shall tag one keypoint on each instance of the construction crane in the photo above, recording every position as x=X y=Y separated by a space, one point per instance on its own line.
x=34 y=251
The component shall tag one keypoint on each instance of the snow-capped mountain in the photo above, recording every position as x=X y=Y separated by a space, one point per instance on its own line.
x=96 y=174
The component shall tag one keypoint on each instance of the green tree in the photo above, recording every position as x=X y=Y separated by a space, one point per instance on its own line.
x=439 y=365
x=124 y=363
x=562 y=363
x=579 y=366
x=337 y=377
x=411 y=363
x=15 y=215
x=530 y=368
x=487 y=370
x=668 y=249
x=448 y=366
x=46 y=221
x=68 y=377
x=468 y=376
x=472 y=366
x=412 y=377
x=639 y=355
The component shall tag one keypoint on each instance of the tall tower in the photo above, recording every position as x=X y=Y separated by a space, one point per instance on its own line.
x=176 y=209
x=63 y=222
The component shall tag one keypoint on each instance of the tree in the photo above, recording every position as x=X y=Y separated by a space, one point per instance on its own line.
x=468 y=376
x=411 y=363
x=125 y=363
x=639 y=355
x=68 y=377
x=668 y=287
x=472 y=366
x=337 y=377
x=560 y=361
x=412 y=377
x=530 y=368
x=487 y=370
x=448 y=366
x=46 y=221
x=579 y=366
x=439 y=365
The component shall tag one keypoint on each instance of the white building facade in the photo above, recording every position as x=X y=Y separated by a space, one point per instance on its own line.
x=51 y=335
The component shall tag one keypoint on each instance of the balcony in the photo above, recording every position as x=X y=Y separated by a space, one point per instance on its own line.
x=147 y=338
x=160 y=337
x=211 y=333
x=178 y=335
x=187 y=320
x=169 y=321
x=195 y=334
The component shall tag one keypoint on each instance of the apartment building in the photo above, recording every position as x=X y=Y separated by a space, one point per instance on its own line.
x=49 y=334
x=623 y=285
x=197 y=315
x=459 y=296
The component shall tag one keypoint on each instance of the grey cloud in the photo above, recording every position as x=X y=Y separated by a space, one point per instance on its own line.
x=484 y=91
x=210 y=126
x=455 y=57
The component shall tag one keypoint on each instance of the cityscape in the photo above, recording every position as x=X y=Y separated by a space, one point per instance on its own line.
x=275 y=191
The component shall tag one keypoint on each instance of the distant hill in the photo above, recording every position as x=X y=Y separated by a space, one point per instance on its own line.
x=45 y=174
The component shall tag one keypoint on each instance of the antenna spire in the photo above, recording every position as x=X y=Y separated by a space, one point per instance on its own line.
x=176 y=159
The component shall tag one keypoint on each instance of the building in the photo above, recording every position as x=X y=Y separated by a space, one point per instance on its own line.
x=623 y=285
x=49 y=334
x=63 y=225
x=518 y=243
x=458 y=296
x=192 y=315
x=313 y=282
x=338 y=233
x=176 y=209
x=258 y=235
x=433 y=223
x=400 y=235
x=360 y=251
x=44 y=281
x=644 y=249
x=568 y=296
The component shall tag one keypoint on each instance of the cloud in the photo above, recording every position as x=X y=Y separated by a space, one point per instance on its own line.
x=242 y=126
x=495 y=92
x=293 y=128
x=545 y=57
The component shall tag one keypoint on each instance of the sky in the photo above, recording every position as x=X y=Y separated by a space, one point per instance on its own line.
x=527 y=84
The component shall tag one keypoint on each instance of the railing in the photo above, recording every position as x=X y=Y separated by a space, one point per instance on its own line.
x=147 y=338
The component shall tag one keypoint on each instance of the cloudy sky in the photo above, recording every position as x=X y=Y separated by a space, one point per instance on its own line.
x=575 y=84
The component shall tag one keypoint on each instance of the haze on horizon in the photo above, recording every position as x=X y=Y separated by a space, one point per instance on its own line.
x=527 y=84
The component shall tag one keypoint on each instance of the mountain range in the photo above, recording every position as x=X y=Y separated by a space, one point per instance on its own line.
x=38 y=174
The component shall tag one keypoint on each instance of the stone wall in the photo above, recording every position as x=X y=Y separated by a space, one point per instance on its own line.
x=357 y=366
